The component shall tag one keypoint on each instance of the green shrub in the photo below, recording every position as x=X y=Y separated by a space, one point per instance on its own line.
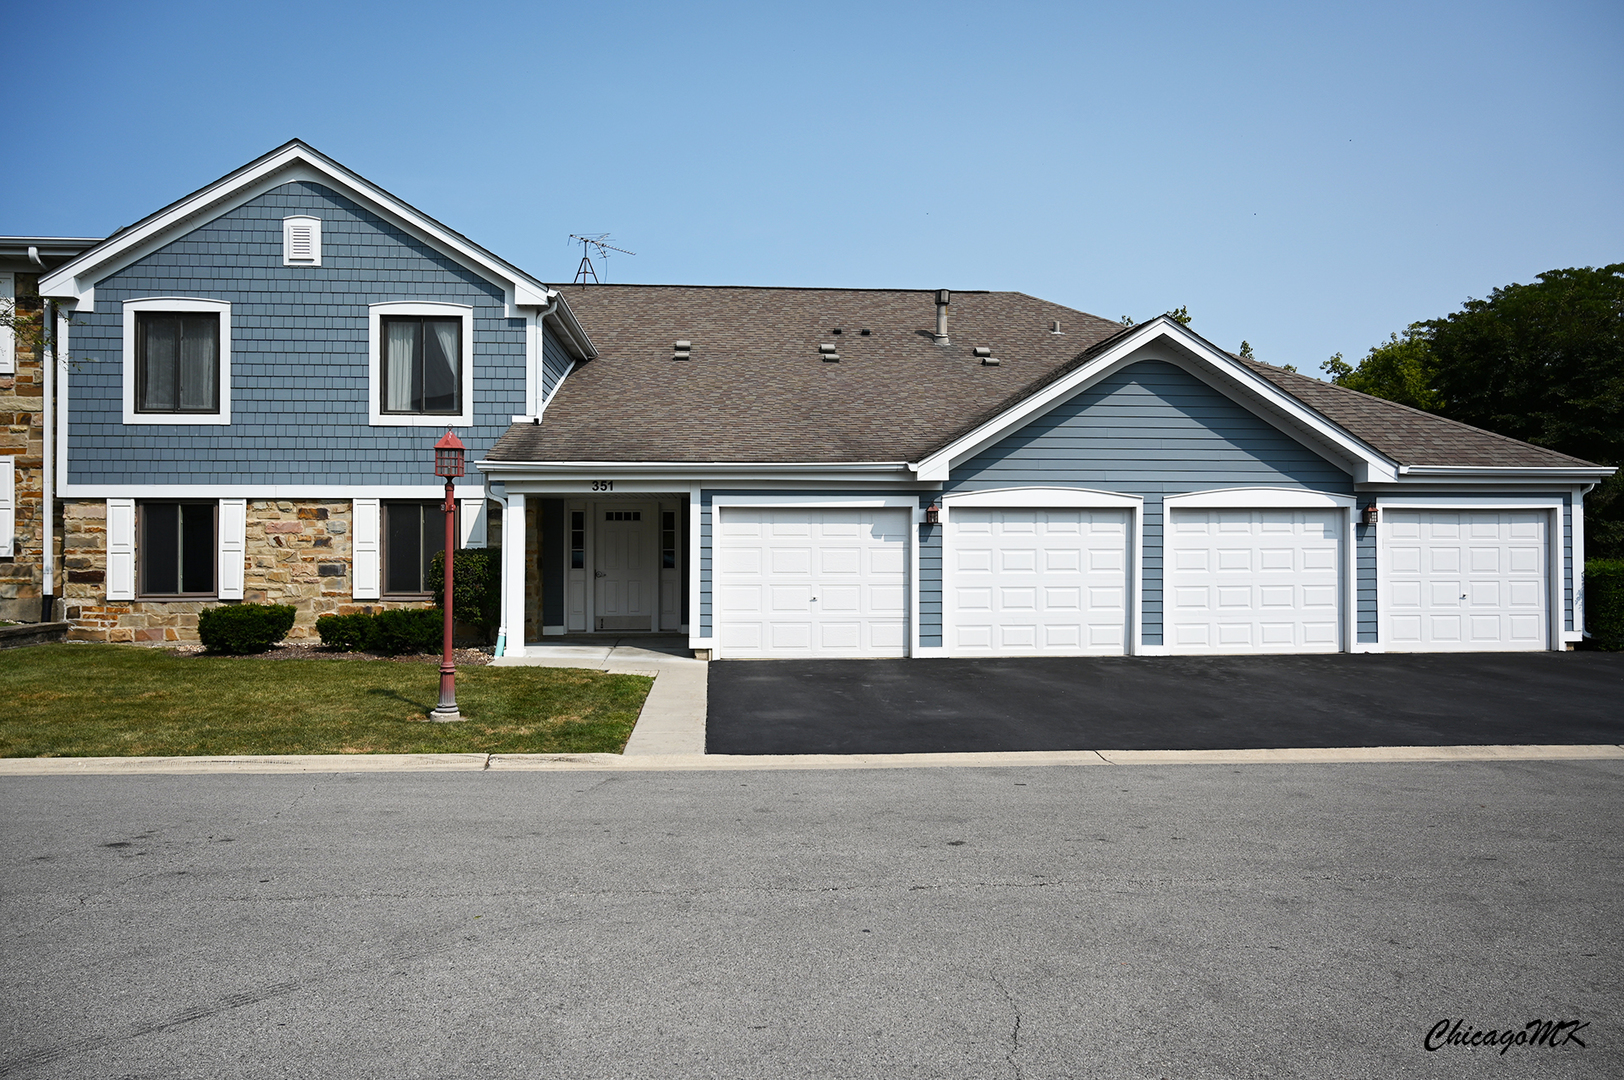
x=244 y=628
x=352 y=633
x=414 y=630
x=392 y=633
x=1604 y=603
x=477 y=585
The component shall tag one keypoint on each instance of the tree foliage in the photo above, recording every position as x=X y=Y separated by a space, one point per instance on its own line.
x=1542 y=362
x=1400 y=369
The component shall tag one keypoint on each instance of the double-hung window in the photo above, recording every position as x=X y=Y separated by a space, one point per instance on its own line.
x=421 y=364
x=177 y=361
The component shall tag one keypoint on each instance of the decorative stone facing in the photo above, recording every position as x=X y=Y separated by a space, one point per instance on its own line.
x=297 y=552
x=22 y=447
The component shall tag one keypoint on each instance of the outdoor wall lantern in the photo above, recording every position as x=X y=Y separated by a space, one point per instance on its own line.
x=448 y=464
x=933 y=514
x=1369 y=515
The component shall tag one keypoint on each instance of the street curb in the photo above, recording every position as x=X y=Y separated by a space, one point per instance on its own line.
x=372 y=763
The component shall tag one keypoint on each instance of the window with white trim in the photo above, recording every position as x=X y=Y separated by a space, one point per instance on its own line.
x=177 y=361
x=8 y=336
x=301 y=241
x=176 y=549
x=8 y=507
x=421 y=364
x=413 y=533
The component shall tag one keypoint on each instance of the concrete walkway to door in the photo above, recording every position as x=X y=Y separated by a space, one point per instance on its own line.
x=1164 y=703
x=673 y=716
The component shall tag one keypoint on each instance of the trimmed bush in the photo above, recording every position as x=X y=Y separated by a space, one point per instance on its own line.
x=477 y=584
x=1604 y=603
x=244 y=628
x=389 y=632
x=351 y=633
x=412 y=631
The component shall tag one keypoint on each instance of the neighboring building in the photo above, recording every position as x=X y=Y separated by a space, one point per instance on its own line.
x=25 y=532
x=255 y=375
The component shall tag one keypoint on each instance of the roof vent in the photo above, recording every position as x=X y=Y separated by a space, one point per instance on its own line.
x=987 y=358
x=837 y=331
x=829 y=354
x=982 y=350
x=1054 y=327
x=681 y=350
x=865 y=333
x=944 y=297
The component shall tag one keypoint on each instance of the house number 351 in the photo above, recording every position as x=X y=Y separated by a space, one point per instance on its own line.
x=603 y=485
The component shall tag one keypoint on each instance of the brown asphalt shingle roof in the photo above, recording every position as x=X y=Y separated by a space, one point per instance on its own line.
x=756 y=389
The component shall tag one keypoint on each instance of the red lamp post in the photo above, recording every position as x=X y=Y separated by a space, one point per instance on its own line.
x=448 y=463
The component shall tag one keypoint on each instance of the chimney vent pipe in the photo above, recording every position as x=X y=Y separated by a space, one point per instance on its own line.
x=944 y=297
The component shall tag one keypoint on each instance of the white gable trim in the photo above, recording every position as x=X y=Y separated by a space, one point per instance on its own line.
x=1221 y=370
x=75 y=281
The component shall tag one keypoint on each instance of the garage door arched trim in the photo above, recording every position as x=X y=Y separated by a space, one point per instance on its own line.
x=1045 y=498
x=1554 y=569
x=1266 y=499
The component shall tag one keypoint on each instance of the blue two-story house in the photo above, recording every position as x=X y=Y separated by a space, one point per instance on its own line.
x=251 y=379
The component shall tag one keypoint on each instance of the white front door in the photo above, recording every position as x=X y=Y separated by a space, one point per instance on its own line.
x=1465 y=579
x=794 y=582
x=625 y=571
x=1253 y=581
x=1038 y=582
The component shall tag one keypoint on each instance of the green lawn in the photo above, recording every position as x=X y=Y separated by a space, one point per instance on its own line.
x=122 y=700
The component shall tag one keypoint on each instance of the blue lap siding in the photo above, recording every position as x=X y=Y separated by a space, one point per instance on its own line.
x=1151 y=430
x=299 y=353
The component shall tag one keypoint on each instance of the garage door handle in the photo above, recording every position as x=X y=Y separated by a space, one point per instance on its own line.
x=814 y=599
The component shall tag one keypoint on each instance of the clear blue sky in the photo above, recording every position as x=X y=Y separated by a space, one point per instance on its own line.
x=1306 y=176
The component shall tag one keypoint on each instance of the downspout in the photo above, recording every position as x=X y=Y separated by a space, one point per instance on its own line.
x=47 y=493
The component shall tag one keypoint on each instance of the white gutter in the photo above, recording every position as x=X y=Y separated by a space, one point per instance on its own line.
x=1511 y=472
x=688 y=468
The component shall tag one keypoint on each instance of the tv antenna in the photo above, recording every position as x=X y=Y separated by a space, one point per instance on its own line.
x=601 y=242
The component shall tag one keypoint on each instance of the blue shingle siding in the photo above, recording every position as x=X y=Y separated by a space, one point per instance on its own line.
x=1151 y=430
x=930 y=581
x=555 y=363
x=299 y=378
x=1366 y=614
x=1567 y=561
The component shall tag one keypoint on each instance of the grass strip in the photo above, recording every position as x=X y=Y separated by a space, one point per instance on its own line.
x=128 y=701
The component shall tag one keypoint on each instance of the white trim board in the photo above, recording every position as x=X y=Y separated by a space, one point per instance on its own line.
x=127 y=360
x=1260 y=498
x=263 y=492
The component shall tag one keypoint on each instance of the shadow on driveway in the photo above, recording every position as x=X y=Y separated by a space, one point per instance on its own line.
x=1182 y=703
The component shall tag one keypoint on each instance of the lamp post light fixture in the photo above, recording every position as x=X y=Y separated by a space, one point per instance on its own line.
x=448 y=463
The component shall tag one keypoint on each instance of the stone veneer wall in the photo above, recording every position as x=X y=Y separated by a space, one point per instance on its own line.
x=298 y=552
x=22 y=447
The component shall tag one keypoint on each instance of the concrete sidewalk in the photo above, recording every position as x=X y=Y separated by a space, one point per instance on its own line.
x=673 y=718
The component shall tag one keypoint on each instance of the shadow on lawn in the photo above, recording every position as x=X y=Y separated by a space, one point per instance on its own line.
x=416 y=703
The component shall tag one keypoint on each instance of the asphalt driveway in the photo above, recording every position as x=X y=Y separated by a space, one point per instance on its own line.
x=1182 y=703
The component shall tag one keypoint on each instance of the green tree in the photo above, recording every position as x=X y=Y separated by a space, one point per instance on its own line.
x=1542 y=362
x=1180 y=315
x=1400 y=369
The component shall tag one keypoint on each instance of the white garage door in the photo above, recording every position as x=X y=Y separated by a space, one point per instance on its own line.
x=1465 y=579
x=1038 y=582
x=1254 y=581
x=806 y=582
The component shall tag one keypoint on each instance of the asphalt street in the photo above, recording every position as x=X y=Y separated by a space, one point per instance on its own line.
x=1166 y=702
x=1102 y=921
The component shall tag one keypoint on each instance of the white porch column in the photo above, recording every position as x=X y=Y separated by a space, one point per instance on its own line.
x=514 y=542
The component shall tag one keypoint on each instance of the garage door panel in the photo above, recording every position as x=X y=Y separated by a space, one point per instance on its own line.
x=1034 y=582
x=1483 y=584
x=812 y=582
x=1264 y=580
